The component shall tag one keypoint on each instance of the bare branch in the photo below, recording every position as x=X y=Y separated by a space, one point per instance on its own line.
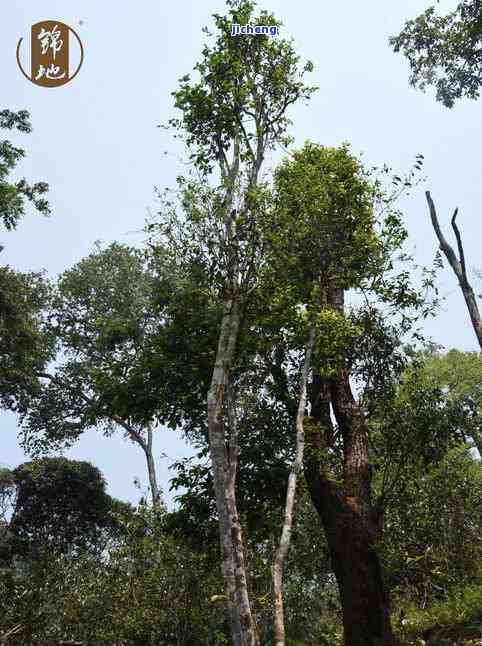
x=458 y=267
x=444 y=245
x=459 y=245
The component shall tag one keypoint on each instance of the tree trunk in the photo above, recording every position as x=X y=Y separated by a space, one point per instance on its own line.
x=151 y=470
x=224 y=463
x=364 y=600
x=284 y=544
x=352 y=525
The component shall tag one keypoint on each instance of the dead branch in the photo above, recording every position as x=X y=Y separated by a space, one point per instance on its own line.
x=458 y=266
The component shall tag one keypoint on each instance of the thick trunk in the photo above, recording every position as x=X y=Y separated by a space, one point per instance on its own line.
x=364 y=600
x=366 y=609
x=224 y=477
x=366 y=614
x=284 y=544
x=351 y=523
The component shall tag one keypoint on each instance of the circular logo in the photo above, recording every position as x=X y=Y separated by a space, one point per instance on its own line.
x=53 y=46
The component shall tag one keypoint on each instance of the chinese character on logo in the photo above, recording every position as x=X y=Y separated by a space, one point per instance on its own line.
x=53 y=45
x=50 y=40
x=51 y=72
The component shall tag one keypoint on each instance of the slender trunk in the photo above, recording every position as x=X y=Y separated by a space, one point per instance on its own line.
x=151 y=470
x=284 y=544
x=224 y=477
x=352 y=525
x=242 y=597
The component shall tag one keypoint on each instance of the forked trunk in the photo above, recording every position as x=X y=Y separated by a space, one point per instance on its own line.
x=458 y=266
x=352 y=524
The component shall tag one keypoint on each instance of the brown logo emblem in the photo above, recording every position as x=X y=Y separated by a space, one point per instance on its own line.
x=50 y=47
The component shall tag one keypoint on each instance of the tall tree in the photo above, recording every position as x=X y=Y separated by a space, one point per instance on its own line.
x=23 y=347
x=104 y=319
x=333 y=236
x=60 y=505
x=330 y=222
x=231 y=117
x=61 y=515
x=445 y=51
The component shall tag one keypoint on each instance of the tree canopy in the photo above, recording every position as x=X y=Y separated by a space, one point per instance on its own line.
x=444 y=51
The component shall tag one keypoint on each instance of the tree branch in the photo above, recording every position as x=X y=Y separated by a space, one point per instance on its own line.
x=459 y=245
x=458 y=267
x=444 y=245
x=134 y=434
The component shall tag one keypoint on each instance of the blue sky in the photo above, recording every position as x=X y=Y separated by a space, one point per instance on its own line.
x=96 y=142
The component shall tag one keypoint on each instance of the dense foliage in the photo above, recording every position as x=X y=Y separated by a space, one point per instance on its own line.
x=444 y=51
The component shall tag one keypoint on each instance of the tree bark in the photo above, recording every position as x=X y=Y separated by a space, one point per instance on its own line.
x=365 y=602
x=224 y=464
x=352 y=524
x=151 y=470
x=458 y=266
x=284 y=544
